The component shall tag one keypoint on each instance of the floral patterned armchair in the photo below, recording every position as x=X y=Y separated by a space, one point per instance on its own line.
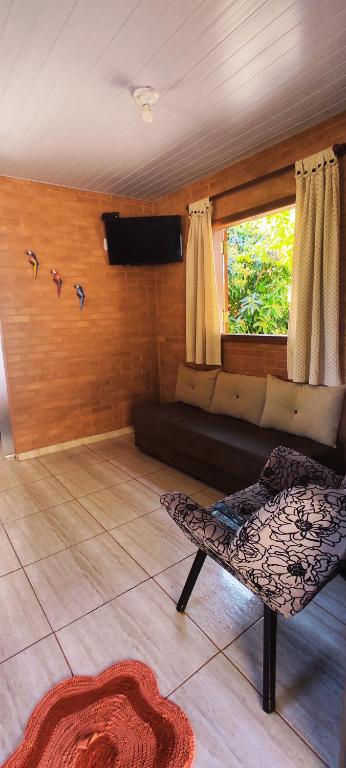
x=283 y=537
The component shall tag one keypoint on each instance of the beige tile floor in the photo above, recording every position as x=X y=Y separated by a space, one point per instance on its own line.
x=90 y=568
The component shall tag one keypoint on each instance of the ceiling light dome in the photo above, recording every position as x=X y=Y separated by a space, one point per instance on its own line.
x=146 y=97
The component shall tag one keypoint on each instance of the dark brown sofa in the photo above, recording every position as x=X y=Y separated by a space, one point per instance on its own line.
x=224 y=452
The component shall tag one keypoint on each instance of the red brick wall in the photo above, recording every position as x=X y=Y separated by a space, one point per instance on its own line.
x=254 y=357
x=71 y=373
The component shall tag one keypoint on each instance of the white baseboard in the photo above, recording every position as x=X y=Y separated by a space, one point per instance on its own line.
x=73 y=443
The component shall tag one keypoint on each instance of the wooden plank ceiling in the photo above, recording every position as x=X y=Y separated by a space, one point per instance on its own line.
x=234 y=76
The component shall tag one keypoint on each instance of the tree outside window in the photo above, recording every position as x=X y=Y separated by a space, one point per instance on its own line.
x=259 y=255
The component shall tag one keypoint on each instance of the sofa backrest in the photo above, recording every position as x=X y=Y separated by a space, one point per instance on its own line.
x=341 y=441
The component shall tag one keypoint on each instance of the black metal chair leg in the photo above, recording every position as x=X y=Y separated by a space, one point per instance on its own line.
x=191 y=580
x=269 y=659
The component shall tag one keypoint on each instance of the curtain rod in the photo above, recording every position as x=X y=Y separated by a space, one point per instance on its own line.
x=338 y=149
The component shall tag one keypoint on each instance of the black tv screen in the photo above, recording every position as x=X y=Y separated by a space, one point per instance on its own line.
x=143 y=240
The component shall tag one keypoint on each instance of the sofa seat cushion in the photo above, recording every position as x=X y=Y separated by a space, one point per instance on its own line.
x=234 y=446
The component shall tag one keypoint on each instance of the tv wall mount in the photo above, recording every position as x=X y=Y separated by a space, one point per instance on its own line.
x=109 y=216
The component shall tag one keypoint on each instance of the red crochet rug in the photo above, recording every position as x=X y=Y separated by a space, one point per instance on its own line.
x=115 y=720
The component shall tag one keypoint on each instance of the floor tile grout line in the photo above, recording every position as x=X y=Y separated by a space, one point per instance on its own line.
x=27 y=482
x=138 y=517
x=330 y=613
x=14 y=570
x=37 y=598
x=42 y=512
x=54 y=630
x=105 y=530
x=79 y=500
x=63 y=653
x=57 y=475
x=43 y=611
x=217 y=650
x=224 y=648
x=131 y=556
x=63 y=451
x=45 y=509
x=183 y=613
x=205 y=663
x=97 y=490
x=116 y=485
x=14 y=549
x=26 y=647
x=152 y=575
x=114 y=527
x=77 y=544
x=53 y=506
x=259 y=692
x=294 y=729
x=59 y=551
x=106 y=602
x=70 y=546
x=173 y=565
x=59 y=629
x=170 y=490
x=55 y=472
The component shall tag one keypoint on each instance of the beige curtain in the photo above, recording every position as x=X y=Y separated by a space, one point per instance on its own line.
x=203 y=337
x=313 y=335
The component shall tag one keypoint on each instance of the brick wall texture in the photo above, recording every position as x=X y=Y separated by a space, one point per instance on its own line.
x=72 y=374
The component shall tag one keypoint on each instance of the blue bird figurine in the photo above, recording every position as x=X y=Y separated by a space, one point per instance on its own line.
x=80 y=293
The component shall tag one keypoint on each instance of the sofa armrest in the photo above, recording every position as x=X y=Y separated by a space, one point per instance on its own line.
x=286 y=468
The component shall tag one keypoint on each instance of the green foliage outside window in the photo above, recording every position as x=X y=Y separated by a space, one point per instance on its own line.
x=259 y=273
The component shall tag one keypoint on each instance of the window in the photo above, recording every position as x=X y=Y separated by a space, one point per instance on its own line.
x=259 y=268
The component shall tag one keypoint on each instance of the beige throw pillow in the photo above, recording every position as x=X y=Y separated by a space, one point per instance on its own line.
x=303 y=409
x=195 y=387
x=239 y=396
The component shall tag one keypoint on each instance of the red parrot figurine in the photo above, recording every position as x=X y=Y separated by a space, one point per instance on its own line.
x=56 y=277
x=33 y=260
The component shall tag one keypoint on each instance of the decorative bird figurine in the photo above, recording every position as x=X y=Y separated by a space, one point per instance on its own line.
x=56 y=277
x=80 y=293
x=33 y=260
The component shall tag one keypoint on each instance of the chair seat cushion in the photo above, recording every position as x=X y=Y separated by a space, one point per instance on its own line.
x=287 y=550
x=243 y=503
x=210 y=532
x=212 y=529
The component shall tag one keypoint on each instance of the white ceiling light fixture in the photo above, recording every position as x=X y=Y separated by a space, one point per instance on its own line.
x=146 y=97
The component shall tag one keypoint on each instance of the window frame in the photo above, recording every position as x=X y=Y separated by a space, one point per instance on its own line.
x=263 y=338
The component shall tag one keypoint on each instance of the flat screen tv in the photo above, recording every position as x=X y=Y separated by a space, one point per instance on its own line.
x=141 y=240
